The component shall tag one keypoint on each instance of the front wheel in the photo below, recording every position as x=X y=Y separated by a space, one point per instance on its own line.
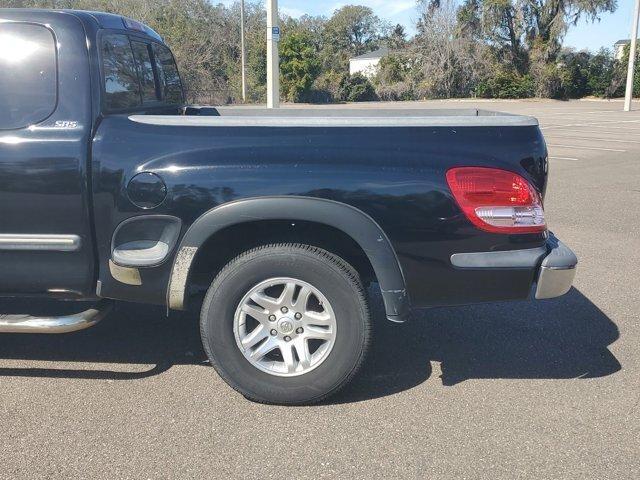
x=286 y=324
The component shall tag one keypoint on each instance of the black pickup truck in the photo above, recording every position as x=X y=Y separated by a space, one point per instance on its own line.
x=272 y=223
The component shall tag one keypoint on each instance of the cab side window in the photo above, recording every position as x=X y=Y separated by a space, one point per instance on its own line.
x=169 y=78
x=121 y=84
x=28 y=74
x=148 y=88
x=138 y=73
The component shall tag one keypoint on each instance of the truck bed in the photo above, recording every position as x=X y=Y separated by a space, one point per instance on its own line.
x=389 y=164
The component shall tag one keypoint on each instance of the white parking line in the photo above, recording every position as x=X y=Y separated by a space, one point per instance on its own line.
x=601 y=132
x=587 y=118
x=631 y=128
x=606 y=140
x=583 y=113
x=563 y=158
x=577 y=147
x=604 y=122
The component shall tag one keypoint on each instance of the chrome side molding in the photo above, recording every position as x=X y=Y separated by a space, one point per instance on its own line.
x=62 y=324
x=40 y=242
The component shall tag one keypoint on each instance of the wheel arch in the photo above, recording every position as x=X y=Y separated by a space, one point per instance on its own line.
x=351 y=221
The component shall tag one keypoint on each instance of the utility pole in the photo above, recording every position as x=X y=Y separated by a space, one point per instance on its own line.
x=273 y=58
x=243 y=53
x=632 y=58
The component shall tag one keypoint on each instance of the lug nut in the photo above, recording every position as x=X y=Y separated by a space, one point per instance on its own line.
x=299 y=330
x=287 y=338
x=272 y=318
x=298 y=316
x=284 y=309
x=274 y=332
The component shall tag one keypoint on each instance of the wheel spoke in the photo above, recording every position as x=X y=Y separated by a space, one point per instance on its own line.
x=303 y=298
x=256 y=336
x=302 y=349
x=287 y=357
x=320 y=318
x=263 y=349
x=318 y=333
x=286 y=297
x=264 y=301
x=261 y=316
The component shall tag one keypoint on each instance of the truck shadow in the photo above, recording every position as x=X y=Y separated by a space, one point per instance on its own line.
x=561 y=338
x=131 y=336
x=555 y=339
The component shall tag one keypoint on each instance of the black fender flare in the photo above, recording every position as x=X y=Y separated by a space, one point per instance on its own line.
x=353 y=222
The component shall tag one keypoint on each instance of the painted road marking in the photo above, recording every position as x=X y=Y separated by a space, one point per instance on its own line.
x=582 y=113
x=600 y=132
x=590 y=124
x=563 y=158
x=627 y=128
x=586 y=148
x=606 y=140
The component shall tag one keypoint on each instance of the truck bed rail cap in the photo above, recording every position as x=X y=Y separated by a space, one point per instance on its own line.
x=305 y=122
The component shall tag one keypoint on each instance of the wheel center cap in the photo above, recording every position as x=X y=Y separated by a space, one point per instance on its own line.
x=285 y=325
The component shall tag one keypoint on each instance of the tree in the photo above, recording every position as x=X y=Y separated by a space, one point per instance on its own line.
x=396 y=76
x=351 y=31
x=450 y=62
x=356 y=88
x=497 y=23
x=256 y=45
x=393 y=68
x=397 y=38
x=529 y=33
x=505 y=83
x=299 y=66
x=619 y=76
x=600 y=72
x=313 y=26
x=574 y=73
x=204 y=39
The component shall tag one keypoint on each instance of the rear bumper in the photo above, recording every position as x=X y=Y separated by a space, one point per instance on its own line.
x=557 y=270
x=551 y=268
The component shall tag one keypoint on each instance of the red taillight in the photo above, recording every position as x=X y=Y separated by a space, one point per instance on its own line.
x=497 y=200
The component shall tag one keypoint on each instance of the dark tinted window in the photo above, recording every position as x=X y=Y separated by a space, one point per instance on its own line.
x=145 y=69
x=169 y=77
x=28 y=74
x=120 y=75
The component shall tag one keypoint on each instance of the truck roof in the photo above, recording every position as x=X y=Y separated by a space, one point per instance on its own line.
x=100 y=20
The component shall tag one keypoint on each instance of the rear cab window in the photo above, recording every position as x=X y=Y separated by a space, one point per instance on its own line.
x=138 y=73
x=28 y=70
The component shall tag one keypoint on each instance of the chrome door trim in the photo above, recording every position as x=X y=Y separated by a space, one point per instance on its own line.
x=39 y=242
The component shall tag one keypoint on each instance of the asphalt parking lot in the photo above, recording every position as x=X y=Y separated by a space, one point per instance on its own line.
x=549 y=389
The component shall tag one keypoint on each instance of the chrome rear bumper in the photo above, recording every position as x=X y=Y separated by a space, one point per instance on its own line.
x=557 y=271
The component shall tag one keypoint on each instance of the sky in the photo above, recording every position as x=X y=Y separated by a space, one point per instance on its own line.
x=591 y=36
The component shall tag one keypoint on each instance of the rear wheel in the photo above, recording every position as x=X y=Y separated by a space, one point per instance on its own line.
x=286 y=324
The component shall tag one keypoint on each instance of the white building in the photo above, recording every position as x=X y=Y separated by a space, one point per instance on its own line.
x=618 y=48
x=367 y=64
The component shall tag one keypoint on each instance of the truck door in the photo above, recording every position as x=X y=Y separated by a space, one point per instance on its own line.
x=46 y=241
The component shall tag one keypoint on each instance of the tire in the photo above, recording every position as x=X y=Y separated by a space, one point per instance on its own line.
x=306 y=376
